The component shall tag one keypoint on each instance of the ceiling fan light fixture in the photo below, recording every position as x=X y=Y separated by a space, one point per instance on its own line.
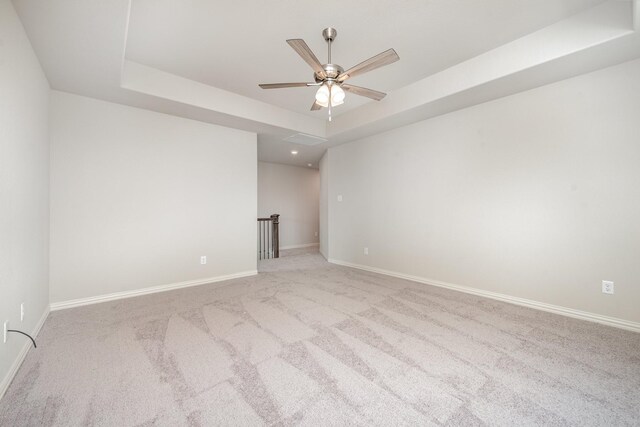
x=331 y=92
x=337 y=95
x=322 y=95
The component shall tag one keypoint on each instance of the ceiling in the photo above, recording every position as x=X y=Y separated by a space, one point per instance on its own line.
x=236 y=45
x=203 y=59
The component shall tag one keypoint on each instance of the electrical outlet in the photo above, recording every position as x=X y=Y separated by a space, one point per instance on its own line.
x=366 y=251
x=316 y=234
x=6 y=326
x=203 y=259
x=339 y=197
x=22 y=312
x=607 y=287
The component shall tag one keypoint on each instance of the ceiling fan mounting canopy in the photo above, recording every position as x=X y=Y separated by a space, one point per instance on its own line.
x=329 y=34
x=330 y=77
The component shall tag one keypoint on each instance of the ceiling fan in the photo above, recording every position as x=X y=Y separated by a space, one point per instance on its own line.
x=330 y=77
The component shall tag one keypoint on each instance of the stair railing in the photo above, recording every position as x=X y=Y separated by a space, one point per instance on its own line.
x=268 y=237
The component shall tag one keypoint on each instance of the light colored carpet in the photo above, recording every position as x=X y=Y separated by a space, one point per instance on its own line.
x=310 y=343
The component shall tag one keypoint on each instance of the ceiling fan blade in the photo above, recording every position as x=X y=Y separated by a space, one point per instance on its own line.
x=363 y=91
x=283 y=85
x=315 y=106
x=385 y=58
x=307 y=54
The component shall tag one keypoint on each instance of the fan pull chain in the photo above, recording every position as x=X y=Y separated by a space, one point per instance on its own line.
x=330 y=93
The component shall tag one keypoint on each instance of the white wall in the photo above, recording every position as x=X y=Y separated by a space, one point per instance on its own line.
x=292 y=192
x=324 y=205
x=536 y=195
x=24 y=188
x=137 y=197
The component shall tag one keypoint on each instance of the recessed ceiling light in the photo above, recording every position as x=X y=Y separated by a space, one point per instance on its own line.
x=294 y=152
x=309 y=164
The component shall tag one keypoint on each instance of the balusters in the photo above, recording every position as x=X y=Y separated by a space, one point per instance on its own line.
x=268 y=237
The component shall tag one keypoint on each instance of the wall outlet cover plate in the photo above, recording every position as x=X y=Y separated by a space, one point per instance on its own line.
x=607 y=287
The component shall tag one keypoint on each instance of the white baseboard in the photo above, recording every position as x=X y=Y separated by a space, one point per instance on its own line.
x=6 y=381
x=306 y=245
x=564 y=311
x=145 y=291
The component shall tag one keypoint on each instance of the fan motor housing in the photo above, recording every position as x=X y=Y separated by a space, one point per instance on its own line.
x=332 y=71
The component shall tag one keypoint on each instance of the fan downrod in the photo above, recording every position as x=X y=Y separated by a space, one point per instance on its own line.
x=332 y=71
